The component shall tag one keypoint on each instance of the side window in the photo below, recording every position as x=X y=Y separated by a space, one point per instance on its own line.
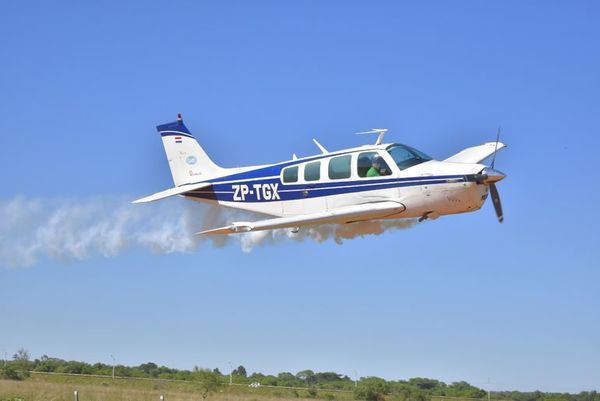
x=312 y=171
x=339 y=167
x=371 y=164
x=290 y=174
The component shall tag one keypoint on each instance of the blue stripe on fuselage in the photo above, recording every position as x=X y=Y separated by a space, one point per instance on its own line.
x=273 y=189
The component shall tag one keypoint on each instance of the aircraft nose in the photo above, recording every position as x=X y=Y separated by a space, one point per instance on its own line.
x=492 y=175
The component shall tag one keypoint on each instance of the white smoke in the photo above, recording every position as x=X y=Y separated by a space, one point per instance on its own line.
x=34 y=229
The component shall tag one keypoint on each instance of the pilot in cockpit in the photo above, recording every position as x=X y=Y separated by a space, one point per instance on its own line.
x=378 y=167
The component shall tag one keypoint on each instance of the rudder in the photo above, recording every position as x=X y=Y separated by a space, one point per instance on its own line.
x=188 y=162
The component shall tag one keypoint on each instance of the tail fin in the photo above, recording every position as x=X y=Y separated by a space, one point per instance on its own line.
x=188 y=162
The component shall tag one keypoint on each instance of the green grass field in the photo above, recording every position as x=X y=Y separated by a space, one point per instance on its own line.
x=40 y=387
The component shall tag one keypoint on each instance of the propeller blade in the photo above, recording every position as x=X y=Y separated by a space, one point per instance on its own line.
x=496 y=148
x=496 y=200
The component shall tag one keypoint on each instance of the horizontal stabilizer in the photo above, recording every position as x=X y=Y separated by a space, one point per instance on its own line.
x=476 y=154
x=349 y=214
x=172 y=192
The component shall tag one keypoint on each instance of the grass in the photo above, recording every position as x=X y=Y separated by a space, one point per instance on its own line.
x=58 y=387
x=61 y=387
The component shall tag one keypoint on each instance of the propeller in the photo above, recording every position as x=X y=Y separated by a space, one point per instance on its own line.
x=496 y=201
x=492 y=184
x=496 y=148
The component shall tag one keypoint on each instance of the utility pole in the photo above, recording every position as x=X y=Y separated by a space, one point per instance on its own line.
x=489 y=392
x=113 y=370
x=5 y=356
x=230 y=374
x=355 y=379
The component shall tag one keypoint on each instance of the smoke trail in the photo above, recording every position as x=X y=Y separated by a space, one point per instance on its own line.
x=33 y=229
x=65 y=229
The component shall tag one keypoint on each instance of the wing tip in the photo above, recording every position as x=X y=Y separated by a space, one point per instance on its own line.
x=500 y=144
x=142 y=200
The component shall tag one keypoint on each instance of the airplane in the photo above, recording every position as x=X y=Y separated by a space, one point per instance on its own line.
x=370 y=182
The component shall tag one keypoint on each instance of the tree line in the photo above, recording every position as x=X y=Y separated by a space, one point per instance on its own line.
x=365 y=388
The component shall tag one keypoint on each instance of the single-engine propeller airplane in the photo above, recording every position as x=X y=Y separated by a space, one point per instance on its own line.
x=370 y=182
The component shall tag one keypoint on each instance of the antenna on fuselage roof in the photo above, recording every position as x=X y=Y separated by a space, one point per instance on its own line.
x=321 y=147
x=380 y=131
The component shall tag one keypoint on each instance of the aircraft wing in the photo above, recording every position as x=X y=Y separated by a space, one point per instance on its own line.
x=476 y=154
x=374 y=210
x=172 y=192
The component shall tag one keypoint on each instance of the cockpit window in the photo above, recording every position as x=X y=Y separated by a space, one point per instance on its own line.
x=371 y=164
x=406 y=157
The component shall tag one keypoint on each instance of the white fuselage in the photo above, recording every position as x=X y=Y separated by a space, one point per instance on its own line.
x=431 y=188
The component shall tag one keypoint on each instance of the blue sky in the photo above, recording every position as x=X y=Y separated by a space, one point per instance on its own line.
x=461 y=298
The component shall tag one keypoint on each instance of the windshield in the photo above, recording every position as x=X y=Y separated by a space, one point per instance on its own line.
x=406 y=157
